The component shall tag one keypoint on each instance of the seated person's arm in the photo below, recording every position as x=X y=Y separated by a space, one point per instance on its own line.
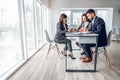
x=79 y=27
x=99 y=28
x=59 y=28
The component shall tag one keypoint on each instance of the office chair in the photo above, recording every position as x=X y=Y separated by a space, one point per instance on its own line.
x=52 y=44
x=117 y=34
x=104 y=48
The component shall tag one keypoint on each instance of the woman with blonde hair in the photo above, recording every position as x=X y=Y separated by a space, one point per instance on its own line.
x=85 y=24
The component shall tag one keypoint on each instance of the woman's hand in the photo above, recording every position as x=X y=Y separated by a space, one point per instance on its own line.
x=73 y=30
x=83 y=30
x=70 y=29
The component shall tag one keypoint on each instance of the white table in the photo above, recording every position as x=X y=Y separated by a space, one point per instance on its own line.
x=84 y=38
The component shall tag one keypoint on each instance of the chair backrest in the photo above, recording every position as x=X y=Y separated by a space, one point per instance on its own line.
x=117 y=30
x=109 y=38
x=47 y=36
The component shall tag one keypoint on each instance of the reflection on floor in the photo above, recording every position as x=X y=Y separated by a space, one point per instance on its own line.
x=53 y=68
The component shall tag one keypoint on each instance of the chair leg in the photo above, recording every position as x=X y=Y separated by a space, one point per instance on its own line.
x=48 y=50
x=106 y=56
x=93 y=58
x=92 y=55
x=57 y=49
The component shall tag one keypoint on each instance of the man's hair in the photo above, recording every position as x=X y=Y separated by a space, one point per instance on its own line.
x=90 y=11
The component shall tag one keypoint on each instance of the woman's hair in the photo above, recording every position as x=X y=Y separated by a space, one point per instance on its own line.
x=62 y=16
x=85 y=17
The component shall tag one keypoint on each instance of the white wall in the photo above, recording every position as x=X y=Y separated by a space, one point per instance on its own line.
x=116 y=16
x=56 y=5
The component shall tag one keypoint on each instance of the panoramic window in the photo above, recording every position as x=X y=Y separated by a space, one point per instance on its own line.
x=10 y=39
x=30 y=29
x=19 y=40
x=42 y=22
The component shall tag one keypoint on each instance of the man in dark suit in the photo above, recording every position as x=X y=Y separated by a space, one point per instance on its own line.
x=98 y=26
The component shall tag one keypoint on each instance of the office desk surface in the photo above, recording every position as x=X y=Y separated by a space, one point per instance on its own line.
x=75 y=34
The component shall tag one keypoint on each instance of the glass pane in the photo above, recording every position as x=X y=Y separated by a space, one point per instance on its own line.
x=76 y=19
x=39 y=23
x=44 y=14
x=29 y=27
x=102 y=14
x=10 y=40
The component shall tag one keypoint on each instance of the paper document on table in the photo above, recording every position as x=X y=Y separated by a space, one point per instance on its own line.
x=75 y=33
x=86 y=32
